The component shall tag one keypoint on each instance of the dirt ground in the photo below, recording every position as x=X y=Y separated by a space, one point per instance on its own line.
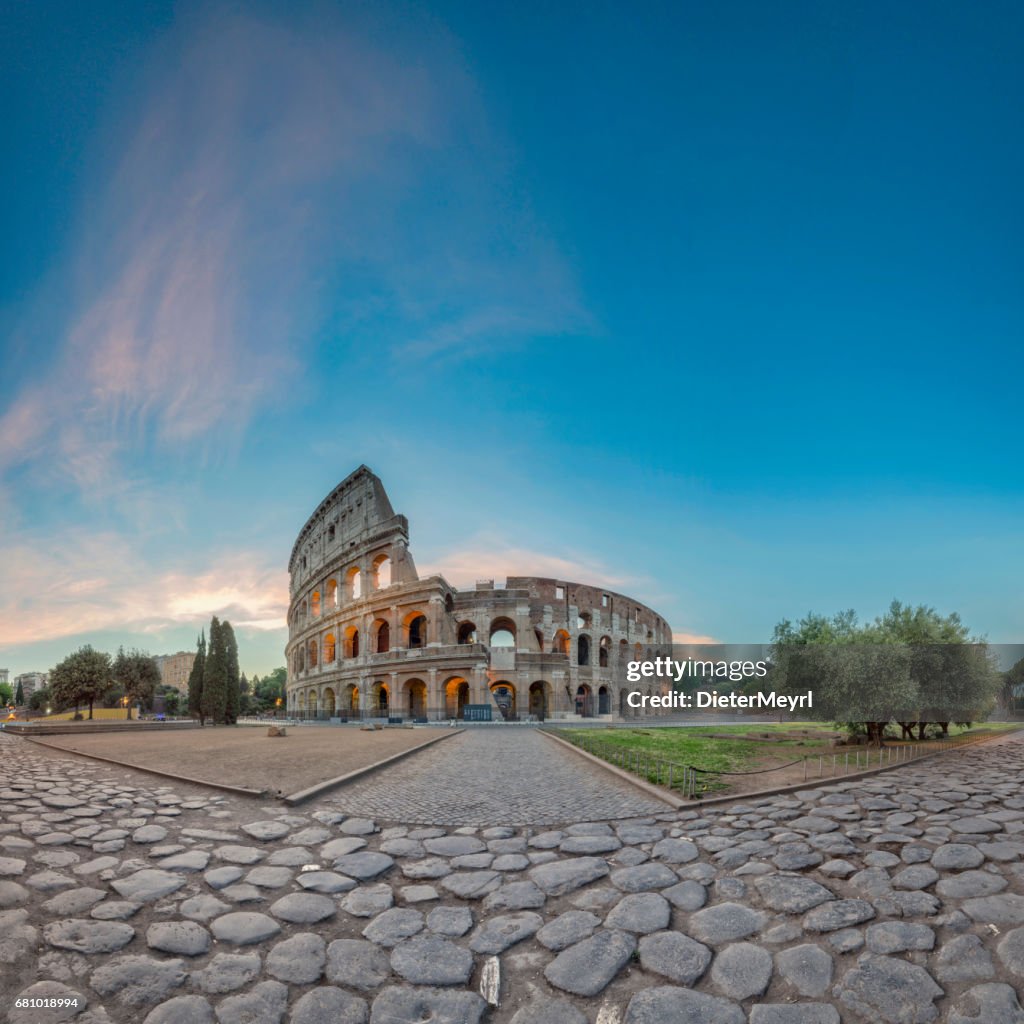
x=246 y=756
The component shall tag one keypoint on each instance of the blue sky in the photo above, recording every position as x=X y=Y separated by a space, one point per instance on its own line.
x=718 y=303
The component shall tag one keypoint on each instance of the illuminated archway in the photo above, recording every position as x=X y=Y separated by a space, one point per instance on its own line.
x=504 y=694
x=456 y=696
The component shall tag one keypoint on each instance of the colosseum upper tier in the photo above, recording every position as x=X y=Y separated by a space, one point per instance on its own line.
x=369 y=638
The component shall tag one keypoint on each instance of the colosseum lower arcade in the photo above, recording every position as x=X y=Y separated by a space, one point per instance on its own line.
x=370 y=639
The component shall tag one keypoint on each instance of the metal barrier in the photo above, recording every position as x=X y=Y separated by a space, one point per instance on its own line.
x=684 y=778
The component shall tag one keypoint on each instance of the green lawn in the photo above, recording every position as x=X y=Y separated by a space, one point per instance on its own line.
x=696 y=746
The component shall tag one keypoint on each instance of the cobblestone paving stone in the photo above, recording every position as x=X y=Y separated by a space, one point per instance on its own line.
x=130 y=896
x=519 y=778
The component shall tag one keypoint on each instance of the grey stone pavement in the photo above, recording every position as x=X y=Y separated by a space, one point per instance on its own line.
x=491 y=775
x=898 y=899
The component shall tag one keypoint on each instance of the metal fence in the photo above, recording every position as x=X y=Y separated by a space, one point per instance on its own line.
x=691 y=781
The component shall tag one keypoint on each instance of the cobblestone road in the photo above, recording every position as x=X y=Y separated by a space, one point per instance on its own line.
x=518 y=778
x=897 y=899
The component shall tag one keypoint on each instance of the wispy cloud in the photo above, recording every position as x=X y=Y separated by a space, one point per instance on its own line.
x=102 y=582
x=268 y=178
x=462 y=567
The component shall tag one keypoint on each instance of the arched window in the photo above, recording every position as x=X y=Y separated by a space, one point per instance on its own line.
x=467 y=633
x=351 y=642
x=418 y=631
x=383 y=638
x=503 y=633
x=332 y=593
x=583 y=650
x=381 y=572
x=353 y=583
x=602 y=651
x=560 y=642
x=312 y=654
x=329 y=648
x=316 y=603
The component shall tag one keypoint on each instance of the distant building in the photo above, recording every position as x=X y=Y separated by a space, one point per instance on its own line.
x=4 y=674
x=175 y=669
x=30 y=682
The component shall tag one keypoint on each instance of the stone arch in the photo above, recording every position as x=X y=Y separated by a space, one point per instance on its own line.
x=584 y=701
x=350 y=699
x=603 y=651
x=315 y=604
x=353 y=583
x=381 y=568
x=456 y=696
x=540 y=699
x=414 y=626
x=332 y=593
x=560 y=642
x=415 y=698
x=583 y=649
x=502 y=632
x=466 y=633
x=311 y=703
x=330 y=648
x=312 y=654
x=351 y=642
x=380 y=699
x=380 y=630
x=328 y=702
x=504 y=694
x=604 y=703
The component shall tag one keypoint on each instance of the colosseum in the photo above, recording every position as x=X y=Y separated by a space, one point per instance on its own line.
x=370 y=638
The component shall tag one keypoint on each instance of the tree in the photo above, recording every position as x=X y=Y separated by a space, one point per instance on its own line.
x=80 y=678
x=231 y=681
x=270 y=689
x=215 y=675
x=40 y=698
x=910 y=665
x=172 y=701
x=243 y=695
x=955 y=677
x=1013 y=685
x=19 y=696
x=6 y=693
x=195 y=681
x=138 y=675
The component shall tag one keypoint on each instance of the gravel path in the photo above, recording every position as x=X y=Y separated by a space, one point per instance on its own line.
x=897 y=899
x=246 y=756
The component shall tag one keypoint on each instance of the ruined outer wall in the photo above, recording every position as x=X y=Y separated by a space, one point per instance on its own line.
x=368 y=635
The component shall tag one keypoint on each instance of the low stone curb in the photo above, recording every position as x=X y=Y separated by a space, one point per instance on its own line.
x=649 y=788
x=238 y=790
x=323 y=787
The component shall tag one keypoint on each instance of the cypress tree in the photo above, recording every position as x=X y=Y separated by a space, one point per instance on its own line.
x=232 y=681
x=19 y=695
x=195 y=680
x=215 y=675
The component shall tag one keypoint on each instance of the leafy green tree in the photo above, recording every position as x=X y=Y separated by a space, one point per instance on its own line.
x=195 y=681
x=138 y=675
x=231 y=684
x=6 y=693
x=270 y=689
x=19 y=696
x=80 y=678
x=953 y=671
x=1013 y=685
x=215 y=675
x=39 y=699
